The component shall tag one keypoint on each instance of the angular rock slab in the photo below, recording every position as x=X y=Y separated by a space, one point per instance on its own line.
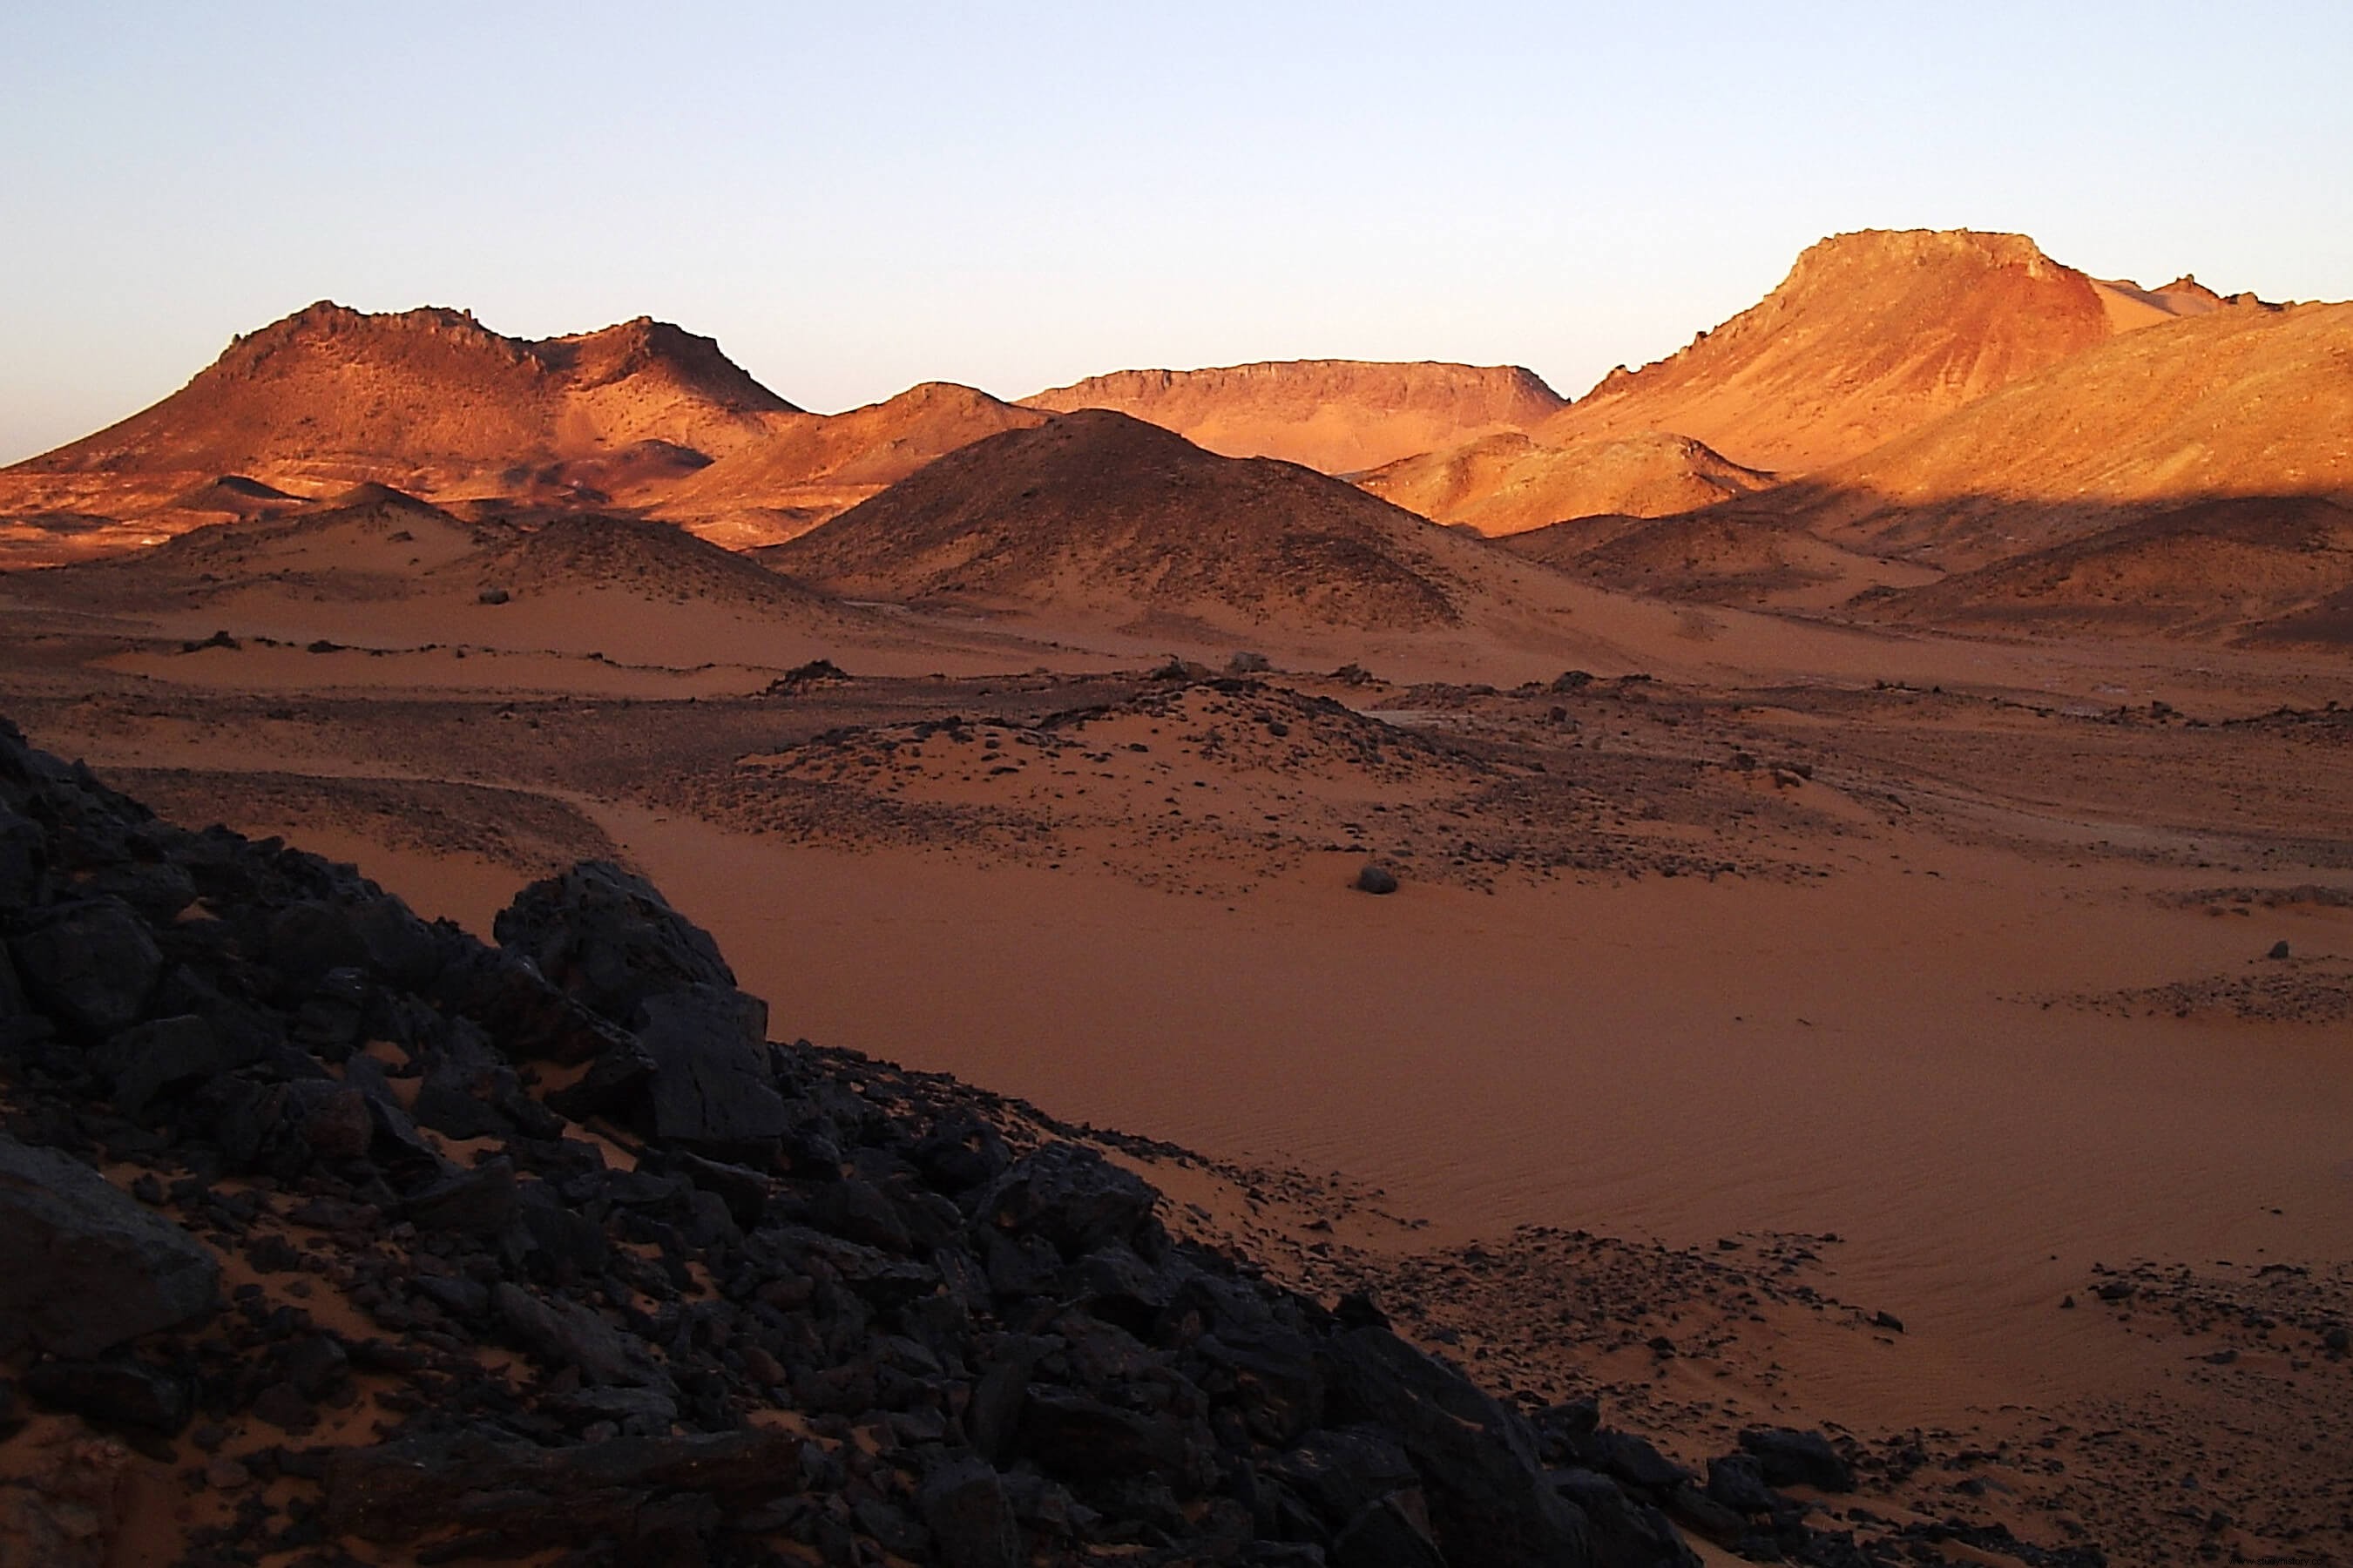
x=82 y=1267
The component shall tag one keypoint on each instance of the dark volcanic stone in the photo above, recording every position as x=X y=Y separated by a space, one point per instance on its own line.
x=1488 y=1504
x=610 y=940
x=1375 y=879
x=24 y=862
x=82 y=1267
x=478 y=1202
x=1386 y=1535
x=711 y=1083
x=149 y=1059
x=971 y=1522
x=1791 y=1458
x=1071 y=1197
x=1625 y=1532
x=118 y=1392
x=91 y=965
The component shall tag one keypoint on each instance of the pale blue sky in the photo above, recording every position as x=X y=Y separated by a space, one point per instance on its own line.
x=861 y=196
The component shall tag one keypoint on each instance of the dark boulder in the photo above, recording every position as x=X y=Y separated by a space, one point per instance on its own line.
x=1791 y=1458
x=24 y=862
x=91 y=965
x=1344 y=1473
x=610 y=940
x=1070 y=1195
x=154 y=1059
x=711 y=1083
x=970 y=1519
x=1625 y=1531
x=1375 y=879
x=84 y=1268
x=1390 y=1533
x=520 y=1493
x=115 y=1392
x=1489 y=1504
x=1079 y=1438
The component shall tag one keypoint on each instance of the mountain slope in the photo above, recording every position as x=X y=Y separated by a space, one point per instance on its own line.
x=1870 y=335
x=2236 y=404
x=1100 y=513
x=1340 y=416
x=1507 y=483
x=428 y=398
x=811 y=466
x=2231 y=567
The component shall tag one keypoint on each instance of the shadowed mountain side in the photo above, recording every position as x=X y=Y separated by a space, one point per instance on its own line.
x=2267 y=568
x=1508 y=483
x=1728 y=555
x=1339 y=417
x=1872 y=334
x=1099 y=512
x=652 y=559
x=2240 y=403
x=813 y=467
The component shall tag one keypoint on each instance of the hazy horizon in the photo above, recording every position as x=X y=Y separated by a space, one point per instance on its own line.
x=850 y=204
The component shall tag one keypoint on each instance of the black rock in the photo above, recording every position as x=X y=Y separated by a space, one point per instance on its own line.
x=610 y=940
x=1737 y=1481
x=1489 y=1505
x=1078 y=1437
x=1624 y=1531
x=1070 y=1195
x=152 y=1059
x=118 y=1392
x=1791 y=1458
x=1387 y=1534
x=91 y=965
x=710 y=1083
x=82 y=1266
x=1375 y=879
x=970 y=1520
x=24 y=862
x=1344 y=1473
x=478 y=1201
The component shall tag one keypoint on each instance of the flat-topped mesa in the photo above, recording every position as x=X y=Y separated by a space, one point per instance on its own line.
x=428 y=399
x=1338 y=415
x=1870 y=335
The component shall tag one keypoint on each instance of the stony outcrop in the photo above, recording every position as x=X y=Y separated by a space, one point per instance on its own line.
x=617 y=1277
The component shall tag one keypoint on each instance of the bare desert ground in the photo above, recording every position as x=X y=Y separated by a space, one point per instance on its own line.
x=1842 y=921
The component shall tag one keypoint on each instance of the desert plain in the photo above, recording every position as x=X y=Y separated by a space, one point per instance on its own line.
x=1810 y=887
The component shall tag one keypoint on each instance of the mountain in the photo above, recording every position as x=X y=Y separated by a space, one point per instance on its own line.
x=810 y=467
x=1341 y=417
x=1102 y=513
x=1871 y=335
x=1508 y=483
x=2260 y=567
x=428 y=399
x=2245 y=403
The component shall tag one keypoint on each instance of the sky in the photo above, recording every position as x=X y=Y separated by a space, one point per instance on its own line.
x=858 y=196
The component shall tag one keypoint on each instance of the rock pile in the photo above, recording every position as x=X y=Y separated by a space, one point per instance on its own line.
x=381 y=1235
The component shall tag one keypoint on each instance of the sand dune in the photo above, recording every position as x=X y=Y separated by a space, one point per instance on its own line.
x=1509 y=483
x=1337 y=416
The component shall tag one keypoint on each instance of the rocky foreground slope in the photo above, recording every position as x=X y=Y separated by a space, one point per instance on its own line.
x=328 y=1236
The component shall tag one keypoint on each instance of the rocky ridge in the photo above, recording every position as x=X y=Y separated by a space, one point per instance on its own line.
x=411 y=1243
